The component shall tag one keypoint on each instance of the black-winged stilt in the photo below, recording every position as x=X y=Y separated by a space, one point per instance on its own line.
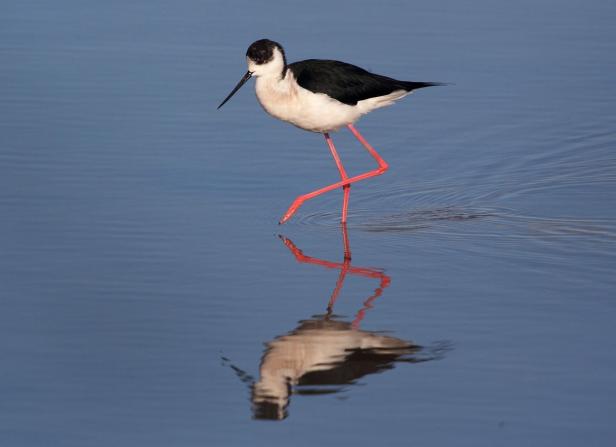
x=321 y=96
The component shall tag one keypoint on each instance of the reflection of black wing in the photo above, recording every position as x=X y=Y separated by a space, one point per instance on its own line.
x=345 y=82
x=358 y=363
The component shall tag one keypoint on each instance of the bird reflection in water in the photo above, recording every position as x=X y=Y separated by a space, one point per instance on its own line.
x=324 y=353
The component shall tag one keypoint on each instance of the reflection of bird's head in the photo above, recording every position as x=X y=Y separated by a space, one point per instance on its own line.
x=270 y=399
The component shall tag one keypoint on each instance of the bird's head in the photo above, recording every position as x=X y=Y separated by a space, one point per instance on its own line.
x=264 y=58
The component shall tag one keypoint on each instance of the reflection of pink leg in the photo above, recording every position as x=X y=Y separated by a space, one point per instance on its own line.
x=385 y=280
x=345 y=241
x=345 y=268
x=383 y=166
x=339 y=283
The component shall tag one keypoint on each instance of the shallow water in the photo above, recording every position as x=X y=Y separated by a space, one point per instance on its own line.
x=147 y=289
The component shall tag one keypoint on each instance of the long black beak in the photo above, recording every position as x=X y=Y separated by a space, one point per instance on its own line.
x=245 y=78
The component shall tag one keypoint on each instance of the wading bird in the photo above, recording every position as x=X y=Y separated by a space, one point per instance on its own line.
x=321 y=96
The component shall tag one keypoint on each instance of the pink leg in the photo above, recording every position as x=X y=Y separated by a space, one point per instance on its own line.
x=383 y=166
x=343 y=175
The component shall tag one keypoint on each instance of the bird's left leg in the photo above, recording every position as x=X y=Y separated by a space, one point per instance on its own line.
x=346 y=188
x=343 y=175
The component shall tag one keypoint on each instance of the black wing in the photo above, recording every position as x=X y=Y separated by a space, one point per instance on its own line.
x=345 y=82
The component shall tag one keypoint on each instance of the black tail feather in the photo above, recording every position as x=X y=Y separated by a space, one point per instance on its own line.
x=410 y=85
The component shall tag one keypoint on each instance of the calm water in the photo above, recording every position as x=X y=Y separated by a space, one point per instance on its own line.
x=150 y=298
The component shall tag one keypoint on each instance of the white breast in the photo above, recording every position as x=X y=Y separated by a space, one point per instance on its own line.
x=316 y=112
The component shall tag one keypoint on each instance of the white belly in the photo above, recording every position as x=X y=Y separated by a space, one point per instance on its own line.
x=315 y=112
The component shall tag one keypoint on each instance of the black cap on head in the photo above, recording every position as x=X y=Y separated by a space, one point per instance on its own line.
x=262 y=51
